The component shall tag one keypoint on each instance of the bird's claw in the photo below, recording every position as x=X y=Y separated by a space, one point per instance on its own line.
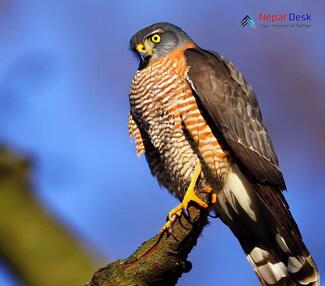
x=190 y=196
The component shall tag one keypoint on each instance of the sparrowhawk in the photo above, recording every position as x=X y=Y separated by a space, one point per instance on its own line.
x=200 y=127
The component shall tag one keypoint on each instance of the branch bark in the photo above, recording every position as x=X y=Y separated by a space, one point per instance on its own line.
x=41 y=252
x=38 y=249
x=160 y=261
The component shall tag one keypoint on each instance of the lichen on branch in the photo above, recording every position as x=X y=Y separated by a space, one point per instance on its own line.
x=159 y=261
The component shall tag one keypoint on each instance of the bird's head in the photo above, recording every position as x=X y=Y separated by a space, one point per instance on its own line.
x=156 y=41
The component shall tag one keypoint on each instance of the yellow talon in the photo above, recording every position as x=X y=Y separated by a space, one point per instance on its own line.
x=209 y=190
x=175 y=211
x=189 y=196
x=213 y=198
x=167 y=225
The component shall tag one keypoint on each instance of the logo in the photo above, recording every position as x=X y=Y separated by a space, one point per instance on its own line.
x=278 y=20
x=284 y=17
x=248 y=20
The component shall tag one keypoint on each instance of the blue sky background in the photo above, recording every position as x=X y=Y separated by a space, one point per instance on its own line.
x=65 y=72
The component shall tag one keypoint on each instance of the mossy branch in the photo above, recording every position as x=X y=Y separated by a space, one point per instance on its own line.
x=36 y=248
x=159 y=261
x=42 y=252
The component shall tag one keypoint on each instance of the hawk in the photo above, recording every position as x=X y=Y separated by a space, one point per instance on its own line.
x=200 y=127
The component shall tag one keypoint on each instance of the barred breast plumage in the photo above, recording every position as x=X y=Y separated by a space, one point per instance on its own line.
x=169 y=127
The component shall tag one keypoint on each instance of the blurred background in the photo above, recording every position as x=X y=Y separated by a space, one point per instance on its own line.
x=65 y=72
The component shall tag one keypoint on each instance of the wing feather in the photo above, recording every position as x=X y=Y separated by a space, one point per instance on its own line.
x=232 y=107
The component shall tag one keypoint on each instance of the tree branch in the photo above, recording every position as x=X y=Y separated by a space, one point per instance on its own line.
x=38 y=249
x=159 y=261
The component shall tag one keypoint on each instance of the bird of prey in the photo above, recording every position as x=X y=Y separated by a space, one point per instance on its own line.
x=200 y=127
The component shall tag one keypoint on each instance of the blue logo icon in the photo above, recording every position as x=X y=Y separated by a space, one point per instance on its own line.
x=248 y=21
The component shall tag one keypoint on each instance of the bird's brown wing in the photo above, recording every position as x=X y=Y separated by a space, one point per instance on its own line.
x=231 y=107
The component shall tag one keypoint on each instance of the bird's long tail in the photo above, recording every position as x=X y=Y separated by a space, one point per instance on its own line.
x=289 y=271
x=284 y=259
x=260 y=218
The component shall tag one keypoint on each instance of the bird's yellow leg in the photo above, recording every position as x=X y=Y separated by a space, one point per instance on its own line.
x=189 y=196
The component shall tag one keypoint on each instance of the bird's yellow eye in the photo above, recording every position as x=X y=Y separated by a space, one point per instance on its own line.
x=155 y=38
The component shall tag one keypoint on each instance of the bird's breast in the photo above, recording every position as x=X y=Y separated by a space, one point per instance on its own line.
x=166 y=110
x=157 y=91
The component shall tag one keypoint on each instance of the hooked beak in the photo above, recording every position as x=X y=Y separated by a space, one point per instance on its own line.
x=143 y=56
x=145 y=52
